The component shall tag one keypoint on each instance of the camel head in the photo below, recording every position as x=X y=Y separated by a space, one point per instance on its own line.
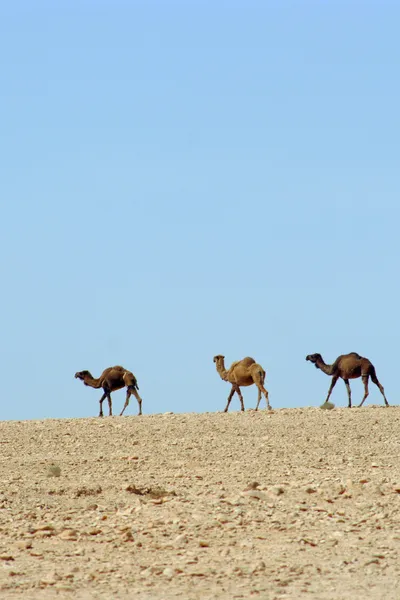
x=314 y=358
x=82 y=375
x=218 y=358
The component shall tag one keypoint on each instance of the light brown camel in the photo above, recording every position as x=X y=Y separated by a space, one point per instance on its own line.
x=348 y=366
x=112 y=379
x=242 y=373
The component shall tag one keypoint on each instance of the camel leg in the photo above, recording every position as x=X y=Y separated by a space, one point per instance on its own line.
x=261 y=389
x=366 y=392
x=229 y=399
x=334 y=380
x=239 y=393
x=259 y=398
x=348 y=391
x=131 y=390
x=109 y=404
x=380 y=386
x=264 y=391
x=101 y=404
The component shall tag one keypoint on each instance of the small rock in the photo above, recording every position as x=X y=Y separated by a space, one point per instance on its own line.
x=252 y=486
x=53 y=471
x=23 y=545
x=278 y=490
x=260 y=566
x=255 y=494
x=181 y=539
x=235 y=501
x=68 y=534
x=128 y=536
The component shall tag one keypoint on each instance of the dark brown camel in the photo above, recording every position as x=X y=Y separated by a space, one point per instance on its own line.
x=348 y=366
x=242 y=373
x=112 y=379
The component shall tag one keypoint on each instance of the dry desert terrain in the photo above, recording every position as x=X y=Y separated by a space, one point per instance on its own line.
x=291 y=504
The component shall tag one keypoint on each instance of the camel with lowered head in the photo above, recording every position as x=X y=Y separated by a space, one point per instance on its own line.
x=112 y=379
x=348 y=366
x=244 y=372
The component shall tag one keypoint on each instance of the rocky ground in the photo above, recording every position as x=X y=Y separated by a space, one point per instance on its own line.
x=282 y=505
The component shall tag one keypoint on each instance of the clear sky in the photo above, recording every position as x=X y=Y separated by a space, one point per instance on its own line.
x=180 y=179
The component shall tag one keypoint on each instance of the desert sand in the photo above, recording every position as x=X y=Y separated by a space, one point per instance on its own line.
x=288 y=504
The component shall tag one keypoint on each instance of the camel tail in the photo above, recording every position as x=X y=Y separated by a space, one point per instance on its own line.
x=372 y=373
x=130 y=380
x=134 y=383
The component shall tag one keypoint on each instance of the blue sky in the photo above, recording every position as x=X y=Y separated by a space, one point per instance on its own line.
x=185 y=179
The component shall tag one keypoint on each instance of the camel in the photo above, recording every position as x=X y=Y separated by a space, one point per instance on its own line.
x=348 y=366
x=112 y=379
x=242 y=373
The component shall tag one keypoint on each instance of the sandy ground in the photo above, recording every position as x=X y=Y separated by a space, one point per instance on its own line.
x=289 y=504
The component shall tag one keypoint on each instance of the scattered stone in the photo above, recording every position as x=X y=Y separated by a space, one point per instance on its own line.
x=53 y=471
x=278 y=490
x=256 y=494
x=327 y=406
x=25 y=545
x=85 y=491
x=68 y=534
x=128 y=536
x=252 y=486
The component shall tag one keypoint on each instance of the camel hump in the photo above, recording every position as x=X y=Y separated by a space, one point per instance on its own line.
x=355 y=354
x=247 y=361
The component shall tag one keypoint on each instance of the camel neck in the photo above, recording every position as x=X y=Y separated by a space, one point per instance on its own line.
x=221 y=370
x=327 y=369
x=92 y=382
